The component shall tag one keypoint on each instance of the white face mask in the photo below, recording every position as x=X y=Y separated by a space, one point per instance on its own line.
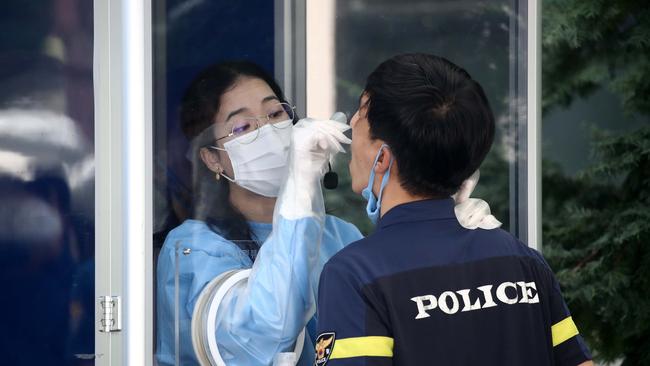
x=260 y=166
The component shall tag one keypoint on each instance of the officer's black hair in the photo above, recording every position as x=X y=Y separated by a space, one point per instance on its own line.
x=435 y=118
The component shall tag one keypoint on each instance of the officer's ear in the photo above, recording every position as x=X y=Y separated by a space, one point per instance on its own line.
x=383 y=163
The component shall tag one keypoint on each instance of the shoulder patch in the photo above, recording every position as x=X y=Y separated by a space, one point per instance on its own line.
x=324 y=347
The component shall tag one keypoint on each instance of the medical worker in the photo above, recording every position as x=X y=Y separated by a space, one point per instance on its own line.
x=240 y=127
x=422 y=289
x=257 y=180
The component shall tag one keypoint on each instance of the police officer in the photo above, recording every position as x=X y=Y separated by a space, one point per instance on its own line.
x=422 y=289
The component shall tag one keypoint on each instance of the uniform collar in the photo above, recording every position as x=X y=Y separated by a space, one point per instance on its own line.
x=431 y=209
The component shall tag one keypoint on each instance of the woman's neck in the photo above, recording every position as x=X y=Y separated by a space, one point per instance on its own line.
x=253 y=206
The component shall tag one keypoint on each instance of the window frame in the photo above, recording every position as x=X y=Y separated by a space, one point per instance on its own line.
x=123 y=85
x=525 y=113
x=123 y=151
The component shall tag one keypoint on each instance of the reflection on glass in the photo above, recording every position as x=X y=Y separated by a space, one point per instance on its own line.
x=46 y=183
x=473 y=34
x=211 y=218
x=188 y=37
x=596 y=172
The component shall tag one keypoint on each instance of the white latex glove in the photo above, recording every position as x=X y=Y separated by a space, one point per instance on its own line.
x=314 y=143
x=320 y=137
x=473 y=213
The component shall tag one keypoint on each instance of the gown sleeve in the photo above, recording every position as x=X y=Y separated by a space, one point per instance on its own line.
x=262 y=317
x=210 y=255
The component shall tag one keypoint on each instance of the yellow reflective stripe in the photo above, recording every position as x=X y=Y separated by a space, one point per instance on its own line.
x=563 y=330
x=362 y=346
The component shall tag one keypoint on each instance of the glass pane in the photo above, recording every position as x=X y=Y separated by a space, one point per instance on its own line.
x=369 y=32
x=190 y=36
x=596 y=166
x=47 y=182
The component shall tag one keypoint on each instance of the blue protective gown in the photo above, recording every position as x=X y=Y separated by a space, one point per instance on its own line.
x=262 y=325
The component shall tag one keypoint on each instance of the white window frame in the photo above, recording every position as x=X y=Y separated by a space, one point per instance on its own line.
x=525 y=85
x=123 y=154
x=291 y=51
x=534 y=136
x=123 y=72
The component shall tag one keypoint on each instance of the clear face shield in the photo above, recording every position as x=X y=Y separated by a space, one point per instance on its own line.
x=257 y=307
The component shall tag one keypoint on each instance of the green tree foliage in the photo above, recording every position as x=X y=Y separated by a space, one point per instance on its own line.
x=596 y=232
x=596 y=226
x=591 y=43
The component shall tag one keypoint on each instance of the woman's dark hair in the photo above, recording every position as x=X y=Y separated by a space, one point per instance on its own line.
x=435 y=118
x=199 y=105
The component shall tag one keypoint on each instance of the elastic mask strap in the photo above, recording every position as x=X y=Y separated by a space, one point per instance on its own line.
x=221 y=174
x=384 y=180
x=371 y=179
x=378 y=155
x=374 y=164
x=227 y=177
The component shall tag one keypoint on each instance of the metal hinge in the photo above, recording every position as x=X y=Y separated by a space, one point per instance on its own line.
x=110 y=317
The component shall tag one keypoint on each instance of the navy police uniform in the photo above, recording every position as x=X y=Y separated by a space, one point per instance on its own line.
x=423 y=290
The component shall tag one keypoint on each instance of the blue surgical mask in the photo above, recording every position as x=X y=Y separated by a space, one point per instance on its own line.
x=374 y=204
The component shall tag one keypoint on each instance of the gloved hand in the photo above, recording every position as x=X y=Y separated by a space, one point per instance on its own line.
x=322 y=139
x=314 y=143
x=473 y=213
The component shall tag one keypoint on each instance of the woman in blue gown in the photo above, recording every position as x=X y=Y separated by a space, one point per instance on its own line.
x=240 y=127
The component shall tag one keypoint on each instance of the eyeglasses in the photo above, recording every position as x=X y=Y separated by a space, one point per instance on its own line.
x=279 y=116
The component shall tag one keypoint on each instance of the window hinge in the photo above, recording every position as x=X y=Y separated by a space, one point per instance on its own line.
x=110 y=316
